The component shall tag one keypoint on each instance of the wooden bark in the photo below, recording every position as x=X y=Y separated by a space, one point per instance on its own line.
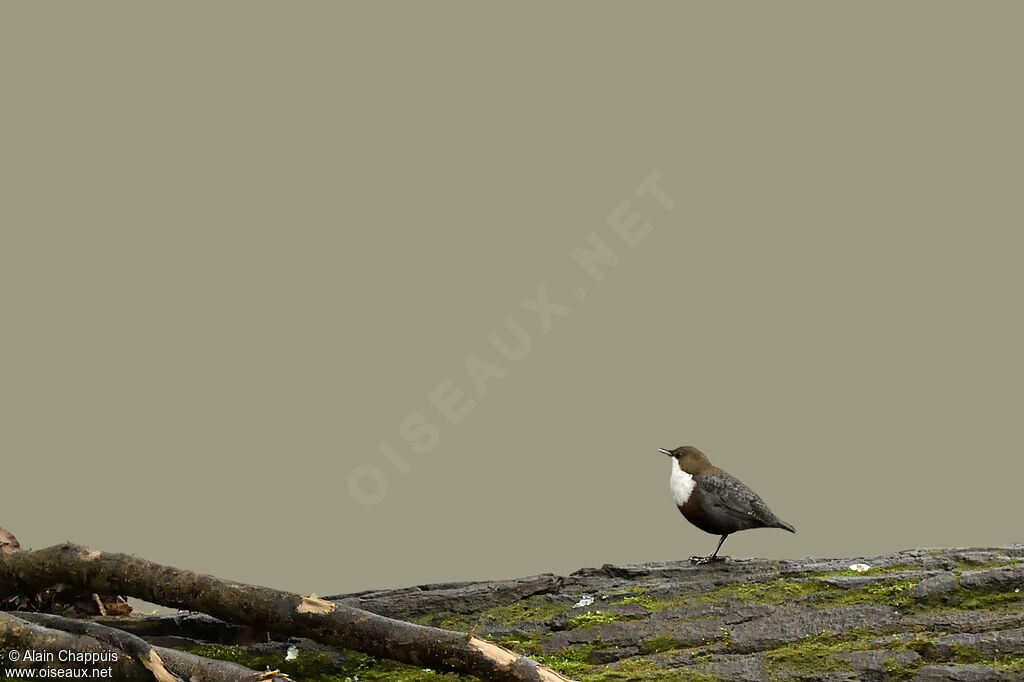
x=197 y=627
x=164 y=665
x=127 y=645
x=22 y=635
x=272 y=610
x=946 y=615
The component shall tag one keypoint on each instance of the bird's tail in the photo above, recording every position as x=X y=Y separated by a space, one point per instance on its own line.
x=785 y=526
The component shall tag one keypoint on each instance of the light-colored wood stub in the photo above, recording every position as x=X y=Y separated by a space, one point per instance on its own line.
x=313 y=605
x=155 y=665
x=504 y=658
x=498 y=654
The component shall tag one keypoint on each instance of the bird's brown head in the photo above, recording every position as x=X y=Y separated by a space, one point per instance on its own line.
x=690 y=459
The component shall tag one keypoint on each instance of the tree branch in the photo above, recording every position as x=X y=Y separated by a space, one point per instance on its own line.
x=18 y=634
x=272 y=610
x=165 y=665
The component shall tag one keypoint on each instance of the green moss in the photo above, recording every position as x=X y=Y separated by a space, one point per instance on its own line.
x=527 y=646
x=313 y=663
x=992 y=599
x=891 y=592
x=972 y=600
x=758 y=593
x=900 y=672
x=447 y=621
x=534 y=609
x=590 y=619
x=780 y=591
x=1005 y=663
x=922 y=644
x=573 y=661
x=660 y=604
x=637 y=595
x=575 y=665
x=659 y=644
x=645 y=669
x=641 y=598
x=894 y=591
x=373 y=669
x=816 y=653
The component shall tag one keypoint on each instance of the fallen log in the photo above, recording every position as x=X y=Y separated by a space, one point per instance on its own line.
x=275 y=611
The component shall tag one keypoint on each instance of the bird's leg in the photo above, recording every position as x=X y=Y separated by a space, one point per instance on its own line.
x=699 y=560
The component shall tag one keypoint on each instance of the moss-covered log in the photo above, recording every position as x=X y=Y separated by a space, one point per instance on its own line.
x=918 y=615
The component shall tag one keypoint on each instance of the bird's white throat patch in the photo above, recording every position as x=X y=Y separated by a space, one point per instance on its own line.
x=681 y=483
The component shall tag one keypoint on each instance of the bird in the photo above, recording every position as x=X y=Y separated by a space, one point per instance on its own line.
x=714 y=501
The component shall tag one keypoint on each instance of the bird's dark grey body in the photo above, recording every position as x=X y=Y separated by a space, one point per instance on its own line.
x=715 y=501
x=722 y=505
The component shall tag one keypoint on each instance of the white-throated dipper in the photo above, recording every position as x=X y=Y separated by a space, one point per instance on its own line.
x=715 y=501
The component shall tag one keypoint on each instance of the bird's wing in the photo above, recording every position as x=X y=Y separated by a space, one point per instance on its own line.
x=736 y=499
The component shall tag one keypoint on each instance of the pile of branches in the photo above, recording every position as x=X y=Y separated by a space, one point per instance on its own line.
x=69 y=601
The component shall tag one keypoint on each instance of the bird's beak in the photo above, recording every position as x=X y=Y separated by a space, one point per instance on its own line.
x=665 y=452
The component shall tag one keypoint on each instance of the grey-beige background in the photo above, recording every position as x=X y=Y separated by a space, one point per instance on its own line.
x=242 y=243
